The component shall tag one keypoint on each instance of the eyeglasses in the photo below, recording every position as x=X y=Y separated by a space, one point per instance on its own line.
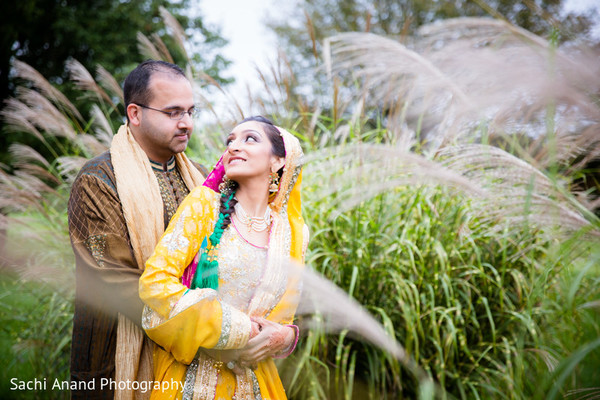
x=175 y=114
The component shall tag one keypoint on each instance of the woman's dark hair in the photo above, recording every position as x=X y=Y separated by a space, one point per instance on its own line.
x=207 y=270
x=272 y=133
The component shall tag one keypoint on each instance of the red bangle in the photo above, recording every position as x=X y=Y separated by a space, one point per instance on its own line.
x=292 y=347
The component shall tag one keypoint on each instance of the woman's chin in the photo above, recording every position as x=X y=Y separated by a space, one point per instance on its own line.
x=238 y=174
x=233 y=174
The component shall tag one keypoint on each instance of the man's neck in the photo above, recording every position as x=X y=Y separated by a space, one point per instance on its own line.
x=166 y=166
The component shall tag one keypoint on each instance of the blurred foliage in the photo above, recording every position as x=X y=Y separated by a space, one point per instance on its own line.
x=46 y=33
x=35 y=337
x=301 y=34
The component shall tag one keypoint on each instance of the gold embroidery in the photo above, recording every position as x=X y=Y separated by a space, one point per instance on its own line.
x=206 y=378
x=176 y=240
x=172 y=189
x=97 y=247
x=274 y=278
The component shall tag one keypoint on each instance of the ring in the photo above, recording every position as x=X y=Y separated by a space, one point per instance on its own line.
x=231 y=364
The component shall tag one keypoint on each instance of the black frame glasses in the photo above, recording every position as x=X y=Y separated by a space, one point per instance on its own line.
x=176 y=115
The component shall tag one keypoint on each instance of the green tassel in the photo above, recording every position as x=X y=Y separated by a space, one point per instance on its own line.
x=210 y=275
x=207 y=271
x=200 y=271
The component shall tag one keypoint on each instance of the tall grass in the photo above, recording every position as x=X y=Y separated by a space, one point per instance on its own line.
x=35 y=336
x=478 y=287
x=481 y=311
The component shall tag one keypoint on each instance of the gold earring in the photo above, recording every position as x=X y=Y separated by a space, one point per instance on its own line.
x=226 y=186
x=273 y=182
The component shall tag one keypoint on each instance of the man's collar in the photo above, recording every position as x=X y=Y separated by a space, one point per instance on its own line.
x=170 y=165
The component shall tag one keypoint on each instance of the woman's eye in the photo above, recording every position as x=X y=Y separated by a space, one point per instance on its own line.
x=251 y=139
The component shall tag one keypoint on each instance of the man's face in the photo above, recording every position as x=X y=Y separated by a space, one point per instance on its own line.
x=161 y=136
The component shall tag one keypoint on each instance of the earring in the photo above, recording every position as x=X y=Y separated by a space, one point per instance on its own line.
x=226 y=187
x=274 y=182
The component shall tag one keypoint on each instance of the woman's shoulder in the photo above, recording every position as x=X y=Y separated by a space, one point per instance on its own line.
x=200 y=202
x=203 y=196
x=203 y=193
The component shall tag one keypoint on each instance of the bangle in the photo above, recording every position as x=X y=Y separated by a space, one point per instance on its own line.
x=293 y=346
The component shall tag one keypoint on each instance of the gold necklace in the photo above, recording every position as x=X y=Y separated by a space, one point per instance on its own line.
x=256 y=224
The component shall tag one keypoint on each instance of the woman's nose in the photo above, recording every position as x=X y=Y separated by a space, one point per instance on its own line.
x=233 y=146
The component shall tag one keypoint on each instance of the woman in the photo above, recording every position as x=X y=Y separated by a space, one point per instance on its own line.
x=220 y=321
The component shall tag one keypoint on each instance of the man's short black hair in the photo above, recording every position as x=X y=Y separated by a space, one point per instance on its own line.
x=135 y=87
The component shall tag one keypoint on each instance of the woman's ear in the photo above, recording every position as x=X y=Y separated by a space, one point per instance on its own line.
x=277 y=163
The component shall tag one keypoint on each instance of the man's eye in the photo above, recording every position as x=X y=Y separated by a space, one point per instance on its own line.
x=177 y=114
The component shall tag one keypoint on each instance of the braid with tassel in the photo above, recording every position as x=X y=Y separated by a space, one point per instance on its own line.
x=207 y=272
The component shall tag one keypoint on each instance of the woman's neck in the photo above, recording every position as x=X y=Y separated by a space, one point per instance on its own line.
x=253 y=197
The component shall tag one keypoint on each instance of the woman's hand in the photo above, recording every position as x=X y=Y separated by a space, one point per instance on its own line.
x=255 y=329
x=272 y=339
x=267 y=339
x=230 y=358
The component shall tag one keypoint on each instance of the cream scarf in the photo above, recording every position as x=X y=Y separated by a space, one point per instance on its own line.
x=143 y=211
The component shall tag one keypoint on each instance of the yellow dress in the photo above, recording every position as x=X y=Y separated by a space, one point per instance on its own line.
x=252 y=282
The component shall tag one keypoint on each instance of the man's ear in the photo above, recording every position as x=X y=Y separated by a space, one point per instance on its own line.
x=134 y=114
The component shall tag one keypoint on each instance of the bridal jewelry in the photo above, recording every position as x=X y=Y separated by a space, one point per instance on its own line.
x=273 y=182
x=257 y=224
x=226 y=186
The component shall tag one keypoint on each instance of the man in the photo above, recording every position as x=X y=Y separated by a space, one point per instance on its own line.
x=120 y=204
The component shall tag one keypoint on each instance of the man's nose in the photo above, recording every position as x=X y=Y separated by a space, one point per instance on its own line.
x=186 y=122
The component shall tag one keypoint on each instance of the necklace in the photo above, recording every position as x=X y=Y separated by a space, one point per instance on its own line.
x=265 y=247
x=256 y=224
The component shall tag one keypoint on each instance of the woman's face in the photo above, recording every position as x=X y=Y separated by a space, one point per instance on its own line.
x=249 y=153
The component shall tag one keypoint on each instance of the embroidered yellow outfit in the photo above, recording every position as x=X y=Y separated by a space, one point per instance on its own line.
x=253 y=282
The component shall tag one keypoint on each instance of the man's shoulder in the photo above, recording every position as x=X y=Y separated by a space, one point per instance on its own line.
x=99 y=167
x=100 y=161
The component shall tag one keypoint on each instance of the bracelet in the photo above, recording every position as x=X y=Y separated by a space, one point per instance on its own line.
x=293 y=346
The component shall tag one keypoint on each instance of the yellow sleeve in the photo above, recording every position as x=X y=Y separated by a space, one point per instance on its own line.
x=178 y=319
